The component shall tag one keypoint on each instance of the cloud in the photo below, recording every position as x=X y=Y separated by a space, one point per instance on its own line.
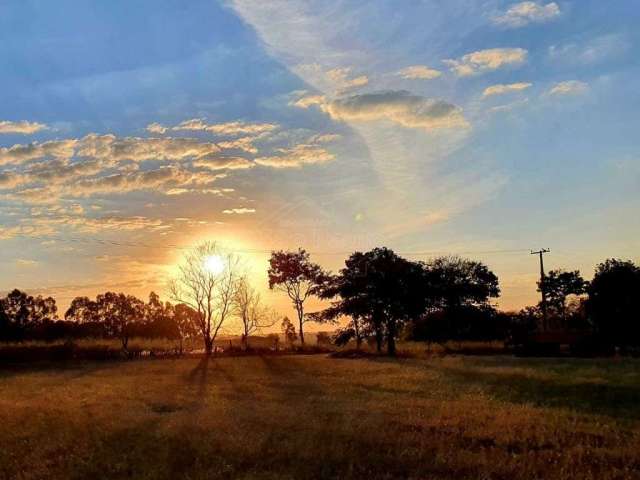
x=340 y=78
x=501 y=89
x=419 y=72
x=309 y=100
x=110 y=149
x=604 y=47
x=398 y=106
x=10 y=180
x=22 y=127
x=524 y=13
x=18 y=153
x=509 y=106
x=162 y=178
x=570 y=87
x=228 y=128
x=215 y=162
x=239 y=211
x=245 y=144
x=156 y=128
x=296 y=157
x=325 y=138
x=26 y=263
x=483 y=61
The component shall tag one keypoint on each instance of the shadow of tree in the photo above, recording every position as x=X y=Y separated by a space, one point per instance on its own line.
x=617 y=401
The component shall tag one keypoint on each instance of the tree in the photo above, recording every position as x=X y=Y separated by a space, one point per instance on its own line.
x=186 y=322
x=379 y=288
x=458 y=292
x=288 y=331
x=558 y=286
x=613 y=302
x=207 y=282
x=118 y=314
x=295 y=274
x=456 y=282
x=248 y=307
x=22 y=313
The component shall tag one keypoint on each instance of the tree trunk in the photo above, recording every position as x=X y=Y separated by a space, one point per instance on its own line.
x=301 y=321
x=391 y=338
x=391 y=346
x=208 y=346
x=378 y=339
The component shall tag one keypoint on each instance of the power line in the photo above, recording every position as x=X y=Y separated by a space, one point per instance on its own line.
x=92 y=240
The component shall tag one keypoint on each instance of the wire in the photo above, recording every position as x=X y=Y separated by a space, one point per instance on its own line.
x=101 y=241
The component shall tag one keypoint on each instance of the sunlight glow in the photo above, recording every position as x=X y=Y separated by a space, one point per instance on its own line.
x=214 y=264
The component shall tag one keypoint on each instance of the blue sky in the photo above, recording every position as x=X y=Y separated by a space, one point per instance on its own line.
x=466 y=126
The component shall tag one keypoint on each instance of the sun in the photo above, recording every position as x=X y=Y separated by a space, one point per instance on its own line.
x=214 y=264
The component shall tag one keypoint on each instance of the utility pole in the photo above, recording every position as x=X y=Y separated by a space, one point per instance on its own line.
x=541 y=252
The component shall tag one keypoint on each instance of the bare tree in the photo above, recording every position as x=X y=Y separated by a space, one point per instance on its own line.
x=207 y=282
x=248 y=307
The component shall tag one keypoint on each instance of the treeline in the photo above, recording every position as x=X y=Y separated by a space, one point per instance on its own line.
x=110 y=315
x=385 y=297
x=378 y=297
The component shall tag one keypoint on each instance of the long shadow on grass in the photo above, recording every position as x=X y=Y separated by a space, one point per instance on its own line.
x=75 y=368
x=617 y=401
x=198 y=376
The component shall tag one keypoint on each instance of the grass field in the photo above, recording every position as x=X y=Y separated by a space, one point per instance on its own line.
x=313 y=416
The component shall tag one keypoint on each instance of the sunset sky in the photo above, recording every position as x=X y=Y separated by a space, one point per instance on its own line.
x=130 y=130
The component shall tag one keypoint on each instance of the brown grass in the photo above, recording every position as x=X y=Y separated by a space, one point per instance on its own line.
x=318 y=417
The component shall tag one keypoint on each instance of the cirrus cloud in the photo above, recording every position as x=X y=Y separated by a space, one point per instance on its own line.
x=239 y=211
x=569 y=87
x=398 y=106
x=482 y=61
x=22 y=127
x=296 y=157
x=419 y=72
x=501 y=89
x=524 y=13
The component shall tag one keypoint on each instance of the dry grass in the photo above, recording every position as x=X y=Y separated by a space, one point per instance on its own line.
x=317 y=417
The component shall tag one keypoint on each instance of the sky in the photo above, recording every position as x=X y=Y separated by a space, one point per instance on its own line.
x=131 y=131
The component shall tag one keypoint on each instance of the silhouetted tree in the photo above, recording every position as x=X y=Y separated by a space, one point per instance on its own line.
x=288 y=331
x=295 y=274
x=455 y=282
x=23 y=313
x=209 y=291
x=613 y=302
x=119 y=315
x=186 y=322
x=558 y=286
x=457 y=295
x=380 y=288
x=248 y=307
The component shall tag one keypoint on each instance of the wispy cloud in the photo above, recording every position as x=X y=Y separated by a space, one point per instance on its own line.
x=343 y=81
x=239 y=211
x=589 y=52
x=156 y=128
x=419 y=72
x=569 y=87
x=227 y=128
x=501 y=89
x=216 y=162
x=398 y=106
x=483 y=61
x=21 y=127
x=296 y=157
x=524 y=13
x=26 y=263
